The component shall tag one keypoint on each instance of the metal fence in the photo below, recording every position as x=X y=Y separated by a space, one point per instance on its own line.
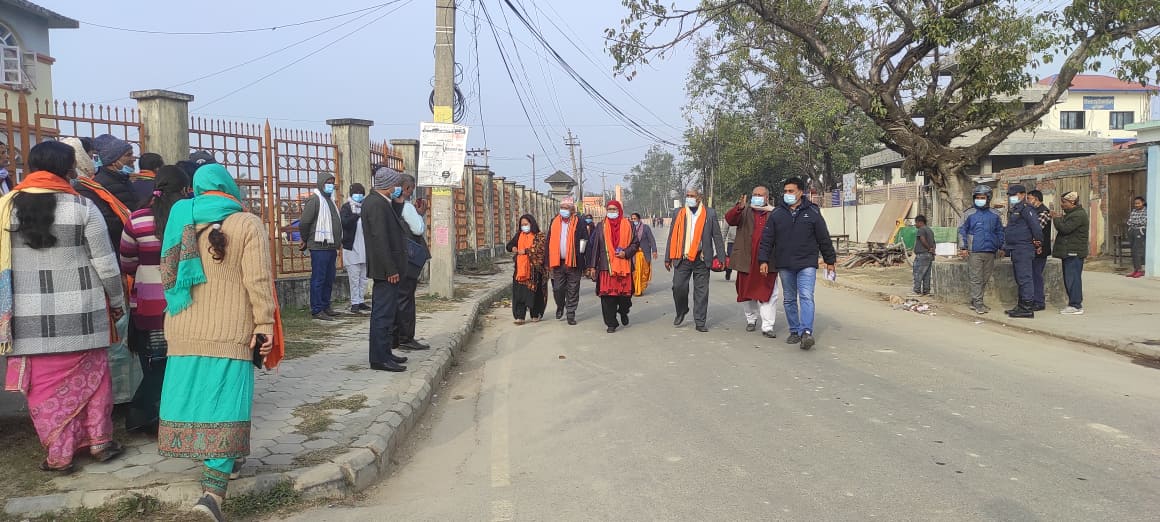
x=27 y=122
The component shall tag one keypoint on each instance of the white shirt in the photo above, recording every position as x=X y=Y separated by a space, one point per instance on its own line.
x=690 y=222
x=413 y=219
x=358 y=254
x=563 y=238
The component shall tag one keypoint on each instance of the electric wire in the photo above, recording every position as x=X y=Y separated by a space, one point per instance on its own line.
x=236 y=31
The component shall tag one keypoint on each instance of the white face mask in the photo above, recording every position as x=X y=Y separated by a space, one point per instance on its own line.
x=690 y=202
x=1014 y=200
x=613 y=215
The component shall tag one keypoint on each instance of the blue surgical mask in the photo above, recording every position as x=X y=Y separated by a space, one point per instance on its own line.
x=328 y=188
x=613 y=215
x=358 y=198
x=97 y=162
x=1014 y=200
x=397 y=193
x=525 y=228
x=757 y=201
x=589 y=221
x=565 y=213
x=789 y=199
x=127 y=170
x=690 y=202
x=980 y=203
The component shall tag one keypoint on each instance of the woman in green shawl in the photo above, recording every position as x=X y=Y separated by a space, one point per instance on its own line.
x=219 y=290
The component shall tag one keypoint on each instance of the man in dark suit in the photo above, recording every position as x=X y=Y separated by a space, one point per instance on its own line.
x=695 y=241
x=386 y=254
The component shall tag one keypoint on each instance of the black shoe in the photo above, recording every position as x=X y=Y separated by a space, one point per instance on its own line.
x=364 y=307
x=807 y=341
x=1025 y=310
x=207 y=505
x=355 y=310
x=559 y=313
x=679 y=319
x=398 y=359
x=322 y=316
x=702 y=329
x=751 y=327
x=389 y=366
x=572 y=321
x=770 y=335
x=414 y=345
x=793 y=338
x=611 y=329
x=333 y=313
x=1039 y=308
x=624 y=319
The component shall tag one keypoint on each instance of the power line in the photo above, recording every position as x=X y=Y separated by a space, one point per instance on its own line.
x=295 y=62
x=236 y=31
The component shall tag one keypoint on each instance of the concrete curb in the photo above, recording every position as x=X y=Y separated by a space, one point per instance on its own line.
x=367 y=460
x=1128 y=348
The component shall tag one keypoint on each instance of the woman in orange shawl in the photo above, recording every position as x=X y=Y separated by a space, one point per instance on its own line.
x=529 y=282
x=613 y=245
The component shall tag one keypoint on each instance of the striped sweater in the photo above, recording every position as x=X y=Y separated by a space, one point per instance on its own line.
x=141 y=258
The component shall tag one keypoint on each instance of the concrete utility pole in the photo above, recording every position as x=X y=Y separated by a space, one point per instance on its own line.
x=604 y=186
x=581 y=180
x=442 y=204
x=572 y=143
x=533 y=158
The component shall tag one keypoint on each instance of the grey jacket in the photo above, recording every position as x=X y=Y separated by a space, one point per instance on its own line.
x=712 y=242
x=310 y=216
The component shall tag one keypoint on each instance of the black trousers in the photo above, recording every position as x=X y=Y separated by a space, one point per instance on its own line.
x=525 y=299
x=384 y=305
x=613 y=305
x=405 y=315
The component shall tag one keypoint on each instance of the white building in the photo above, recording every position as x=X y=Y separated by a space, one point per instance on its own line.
x=1101 y=106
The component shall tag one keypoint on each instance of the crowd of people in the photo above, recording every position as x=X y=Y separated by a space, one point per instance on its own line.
x=777 y=244
x=94 y=255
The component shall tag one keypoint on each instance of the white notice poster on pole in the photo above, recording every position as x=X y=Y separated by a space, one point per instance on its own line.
x=442 y=152
x=849 y=186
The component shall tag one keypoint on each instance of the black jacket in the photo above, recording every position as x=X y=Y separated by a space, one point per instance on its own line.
x=597 y=256
x=349 y=225
x=383 y=235
x=1022 y=227
x=796 y=240
x=119 y=185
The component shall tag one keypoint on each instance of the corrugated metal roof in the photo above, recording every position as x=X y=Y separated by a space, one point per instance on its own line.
x=1021 y=143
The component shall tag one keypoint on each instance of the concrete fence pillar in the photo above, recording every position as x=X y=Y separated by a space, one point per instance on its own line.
x=352 y=138
x=164 y=123
x=409 y=151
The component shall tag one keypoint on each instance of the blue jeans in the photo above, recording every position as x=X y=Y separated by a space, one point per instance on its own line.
x=797 y=288
x=322 y=268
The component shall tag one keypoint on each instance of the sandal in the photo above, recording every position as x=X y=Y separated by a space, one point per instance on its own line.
x=237 y=472
x=67 y=470
x=113 y=450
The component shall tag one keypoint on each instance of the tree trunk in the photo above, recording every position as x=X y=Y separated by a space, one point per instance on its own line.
x=953 y=194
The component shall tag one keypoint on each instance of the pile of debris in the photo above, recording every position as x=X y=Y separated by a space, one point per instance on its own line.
x=879 y=254
x=911 y=305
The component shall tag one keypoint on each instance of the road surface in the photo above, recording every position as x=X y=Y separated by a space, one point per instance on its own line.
x=893 y=416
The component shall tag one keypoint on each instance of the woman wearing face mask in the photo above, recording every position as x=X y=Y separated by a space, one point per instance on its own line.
x=614 y=243
x=141 y=260
x=530 y=280
x=354 y=256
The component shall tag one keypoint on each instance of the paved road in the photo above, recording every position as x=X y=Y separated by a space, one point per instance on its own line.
x=894 y=416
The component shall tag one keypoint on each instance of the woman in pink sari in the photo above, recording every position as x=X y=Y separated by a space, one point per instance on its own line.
x=60 y=291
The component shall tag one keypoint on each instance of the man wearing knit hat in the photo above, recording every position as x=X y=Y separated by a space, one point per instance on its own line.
x=386 y=258
x=321 y=229
x=111 y=189
x=1024 y=239
x=1071 y=246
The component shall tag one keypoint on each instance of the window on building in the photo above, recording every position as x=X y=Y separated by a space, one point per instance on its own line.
x=1071 y=120
x=1122 y=119
x=11 y=69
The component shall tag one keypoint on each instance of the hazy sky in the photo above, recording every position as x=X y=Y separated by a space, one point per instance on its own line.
x=382 y=71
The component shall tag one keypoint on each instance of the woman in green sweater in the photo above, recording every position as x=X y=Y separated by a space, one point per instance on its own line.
x=219 y=288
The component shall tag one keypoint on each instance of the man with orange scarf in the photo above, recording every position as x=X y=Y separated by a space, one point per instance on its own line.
x=563 y=256
x=610 y=263
x=695 y=241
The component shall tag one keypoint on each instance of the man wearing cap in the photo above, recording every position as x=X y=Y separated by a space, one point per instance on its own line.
x=321 y=230
x=386 y=258
x=110 y=189
x=567 y=237
x=1023 y=240
x=1035 y=199
x=1071 y=246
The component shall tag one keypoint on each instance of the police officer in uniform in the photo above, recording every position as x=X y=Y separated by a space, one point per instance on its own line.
x=1024 y=240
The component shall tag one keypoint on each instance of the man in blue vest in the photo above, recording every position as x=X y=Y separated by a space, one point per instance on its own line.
x=1024 y=240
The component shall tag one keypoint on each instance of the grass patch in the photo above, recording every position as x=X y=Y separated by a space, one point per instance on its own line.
x=21 y=453
x=354 y=367
x=316 y=457
x=280 y=498
x=299 y=327
x=316 y=417
x=431 y=303
x=481 y=266
x=132 y=508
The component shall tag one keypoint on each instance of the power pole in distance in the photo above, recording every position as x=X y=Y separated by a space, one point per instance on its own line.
x=442 y=206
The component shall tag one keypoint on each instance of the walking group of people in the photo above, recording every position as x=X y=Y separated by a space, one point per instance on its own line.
x=95 y=254
x=1027 y=239
x=774 y=241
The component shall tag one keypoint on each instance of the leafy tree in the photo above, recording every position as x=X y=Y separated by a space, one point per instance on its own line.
x=923 y=71
x=652 y=182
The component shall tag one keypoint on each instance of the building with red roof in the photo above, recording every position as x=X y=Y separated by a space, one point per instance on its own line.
x=1101 y=106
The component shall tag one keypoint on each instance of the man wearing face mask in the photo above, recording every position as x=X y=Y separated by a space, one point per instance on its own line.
x=795 y=236
x=321 y=230
x=564 y=259
x=354 y=250
x=980 y=243
x=110 y=189
x=1023 y=239
x=415 y=227
x=695 y=240
x=386 y=264
x=756 y=292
